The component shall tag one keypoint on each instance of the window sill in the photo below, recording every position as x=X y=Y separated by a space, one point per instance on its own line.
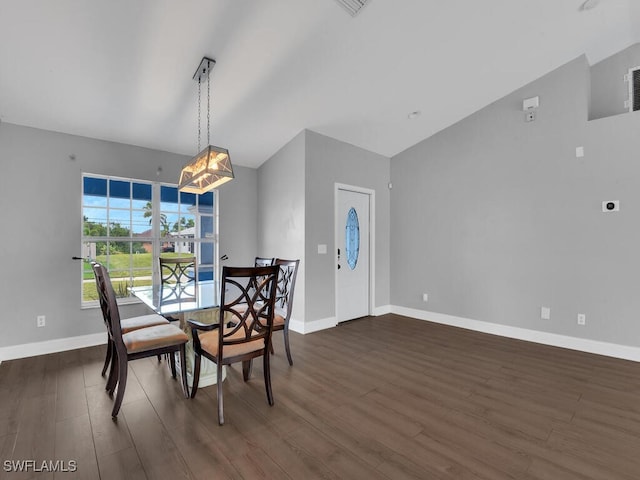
x=121 y=302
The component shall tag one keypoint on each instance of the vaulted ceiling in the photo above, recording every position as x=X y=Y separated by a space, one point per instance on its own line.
x=121 y=70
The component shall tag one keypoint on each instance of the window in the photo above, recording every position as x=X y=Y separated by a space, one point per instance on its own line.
x=352 y=238
x=127 y=223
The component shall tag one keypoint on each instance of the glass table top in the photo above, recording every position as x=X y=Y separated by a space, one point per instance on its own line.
x=177 y=298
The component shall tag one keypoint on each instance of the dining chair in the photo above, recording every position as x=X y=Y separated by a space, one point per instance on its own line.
x=244 y=326
x=284 y=299
x=178 y=269
x=127 y=324
x=263 y=261
x=141 y=343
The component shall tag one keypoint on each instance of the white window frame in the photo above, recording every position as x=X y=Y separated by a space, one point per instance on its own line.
x=155 y=239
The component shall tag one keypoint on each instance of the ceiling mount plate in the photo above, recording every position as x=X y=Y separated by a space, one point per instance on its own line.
x=205 y=67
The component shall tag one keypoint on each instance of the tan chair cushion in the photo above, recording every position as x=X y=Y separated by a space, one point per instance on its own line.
x=154 y=337
x=209 y=343
x=278 y=321
x=143 y=321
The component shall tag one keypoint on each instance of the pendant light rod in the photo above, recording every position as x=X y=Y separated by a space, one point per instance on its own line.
x=212 y=166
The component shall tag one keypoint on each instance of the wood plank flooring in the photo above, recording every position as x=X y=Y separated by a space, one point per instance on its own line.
x=377 y=398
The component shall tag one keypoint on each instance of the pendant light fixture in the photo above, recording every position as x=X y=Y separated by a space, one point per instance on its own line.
x=212 y=166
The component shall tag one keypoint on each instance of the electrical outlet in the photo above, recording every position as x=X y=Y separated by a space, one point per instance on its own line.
x=545 y=313
x=425 y=297
x=41 y=321
x=582 y=319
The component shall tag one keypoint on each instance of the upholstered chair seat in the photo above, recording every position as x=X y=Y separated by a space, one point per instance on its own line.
x=244 y=326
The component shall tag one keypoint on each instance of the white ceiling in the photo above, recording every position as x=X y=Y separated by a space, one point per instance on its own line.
x=121 y=70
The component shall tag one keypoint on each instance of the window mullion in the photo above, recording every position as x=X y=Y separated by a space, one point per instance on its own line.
x=155 y=229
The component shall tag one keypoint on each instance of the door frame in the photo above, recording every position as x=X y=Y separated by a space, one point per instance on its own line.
x=337 y=228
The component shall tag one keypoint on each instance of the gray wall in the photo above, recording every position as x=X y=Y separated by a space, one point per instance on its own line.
x=608 y=88
x=281 y=205
x=296 y=210
x=494 y=217
x=329 y=161
x=40 y=210
x=238 y=217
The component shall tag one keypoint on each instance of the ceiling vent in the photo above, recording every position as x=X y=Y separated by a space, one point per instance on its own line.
x=635 y=90
x=633 y=79
x=352 y=6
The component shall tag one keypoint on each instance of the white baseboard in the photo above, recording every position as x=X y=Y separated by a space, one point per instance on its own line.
x=330 y=322
x=314 y=326
x=63 y=344
x=614 y=350
x=207 y=374
x=382 y=310
x=51 y=346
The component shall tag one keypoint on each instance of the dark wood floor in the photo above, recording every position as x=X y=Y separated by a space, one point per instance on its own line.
x=377 y=398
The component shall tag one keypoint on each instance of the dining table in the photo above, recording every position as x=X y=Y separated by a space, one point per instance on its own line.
x=197 y=300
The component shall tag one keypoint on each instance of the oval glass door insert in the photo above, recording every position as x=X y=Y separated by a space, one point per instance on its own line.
x=352 y=238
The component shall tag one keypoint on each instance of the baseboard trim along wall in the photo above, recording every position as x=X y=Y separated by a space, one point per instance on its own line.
x=330 y=322
x=51 y=346
x=383 y=310
x=313 y=326
x=614 y=350
x=63 y=344
x=624 y=352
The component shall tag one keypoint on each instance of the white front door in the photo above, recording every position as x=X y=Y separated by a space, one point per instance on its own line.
x=352 y=254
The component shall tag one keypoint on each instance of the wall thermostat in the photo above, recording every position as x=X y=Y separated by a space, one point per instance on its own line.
x=611 y=206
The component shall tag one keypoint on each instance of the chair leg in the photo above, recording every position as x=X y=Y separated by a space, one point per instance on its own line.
x=123 y=368
x=113 y=374
x=107 y=359
x=219 y=389
x=172 y=363
x=267 y=378
x=196 y=374
x=286 y=346
x=183 y=370
x=246 y=369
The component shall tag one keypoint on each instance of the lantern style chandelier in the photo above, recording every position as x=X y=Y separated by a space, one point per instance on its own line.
x=212 y=166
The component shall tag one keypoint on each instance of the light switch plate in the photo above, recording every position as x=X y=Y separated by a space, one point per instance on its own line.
x=530 y=103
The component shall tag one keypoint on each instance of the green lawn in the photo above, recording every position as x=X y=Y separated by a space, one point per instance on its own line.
x=89 y=291
x=118 y=265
